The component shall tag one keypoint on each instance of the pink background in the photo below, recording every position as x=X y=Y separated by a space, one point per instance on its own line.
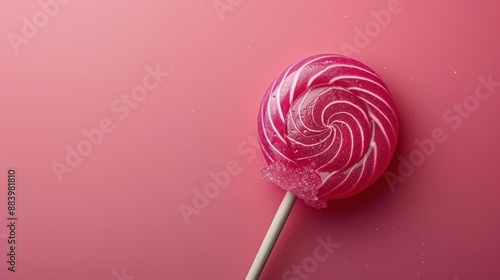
x=119 y=208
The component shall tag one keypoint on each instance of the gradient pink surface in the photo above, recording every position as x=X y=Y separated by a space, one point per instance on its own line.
x=116 y=214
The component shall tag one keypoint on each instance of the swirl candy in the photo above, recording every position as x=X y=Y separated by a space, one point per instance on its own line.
x=327 y=127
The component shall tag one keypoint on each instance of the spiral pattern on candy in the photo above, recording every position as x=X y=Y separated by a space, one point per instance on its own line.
x=327 y=127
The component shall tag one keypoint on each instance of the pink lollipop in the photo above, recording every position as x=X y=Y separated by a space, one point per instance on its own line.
x=328 y=129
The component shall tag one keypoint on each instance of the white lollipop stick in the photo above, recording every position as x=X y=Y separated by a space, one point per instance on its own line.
x=271 y=236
